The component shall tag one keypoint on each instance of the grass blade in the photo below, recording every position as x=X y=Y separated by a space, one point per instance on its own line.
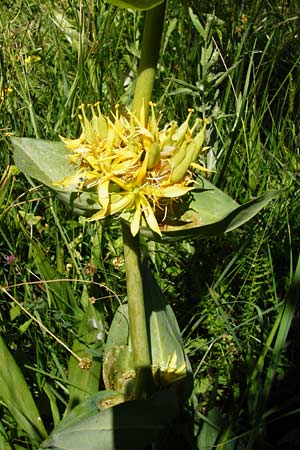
x=15 y=393
x=285 y=324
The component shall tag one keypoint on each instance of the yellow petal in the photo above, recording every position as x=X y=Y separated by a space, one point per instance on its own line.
x=141 y=173
x=124 y=203
x=153 y=122
x=103 y=194
x=93 y=162
x=73 y=159
x=72 y=182
x=199 y=167
x=135 y=223
x=98 y=216
x=86 y=125
x=99 y=122
x=71 y=144
x=120 y=183
x=183 y=130
x=176 y=190
x=92 y=179
x=149 y=215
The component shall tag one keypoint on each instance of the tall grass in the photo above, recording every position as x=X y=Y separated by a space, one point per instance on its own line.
x=238 y=66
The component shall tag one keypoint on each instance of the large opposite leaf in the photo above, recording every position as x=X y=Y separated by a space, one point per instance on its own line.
x=88 y=407
x=47 y=162
x=166 y=340
x=131 y=425
x=210 y=211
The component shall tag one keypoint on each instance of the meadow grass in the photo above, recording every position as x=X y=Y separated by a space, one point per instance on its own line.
x=234 y=296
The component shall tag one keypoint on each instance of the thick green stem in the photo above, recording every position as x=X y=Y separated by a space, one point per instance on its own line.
x=153 y=27
x=137 y=317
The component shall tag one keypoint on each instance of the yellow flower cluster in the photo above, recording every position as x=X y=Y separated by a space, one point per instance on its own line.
x=32 y=59
x=5 y=92
x=133 y=165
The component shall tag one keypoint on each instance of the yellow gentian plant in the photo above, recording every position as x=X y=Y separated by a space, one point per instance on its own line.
x=139 y=170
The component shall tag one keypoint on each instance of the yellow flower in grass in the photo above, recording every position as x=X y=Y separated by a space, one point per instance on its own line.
x=5 y=92
x=133 y=166
x=32 y=59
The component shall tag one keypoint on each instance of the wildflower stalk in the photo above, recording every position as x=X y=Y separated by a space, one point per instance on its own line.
x=153 y=27
x=137 y=317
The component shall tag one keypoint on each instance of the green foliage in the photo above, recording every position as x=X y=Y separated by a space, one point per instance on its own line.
x=84 y=381
x=136 y=4
x=136 y=423
x=19 y=402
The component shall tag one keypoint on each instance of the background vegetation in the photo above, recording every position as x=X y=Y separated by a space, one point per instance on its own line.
x=236 y=63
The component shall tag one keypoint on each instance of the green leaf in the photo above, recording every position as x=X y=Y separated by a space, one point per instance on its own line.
x=23 y=328
x=90 y=406
x=15 y=394
x=212 y=426
x=136 y=4
x=118 y=366
x=130 y=425
x=48 y=389
x=4 y=440
x=14 y=311
x=87 y=345
x=166 y=340
x=210 y=212
x=47 y=162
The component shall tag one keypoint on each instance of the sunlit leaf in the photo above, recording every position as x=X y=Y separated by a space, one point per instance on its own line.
x=166 y=340
x=47 y=162
x=210 y=212
x=23 y=328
